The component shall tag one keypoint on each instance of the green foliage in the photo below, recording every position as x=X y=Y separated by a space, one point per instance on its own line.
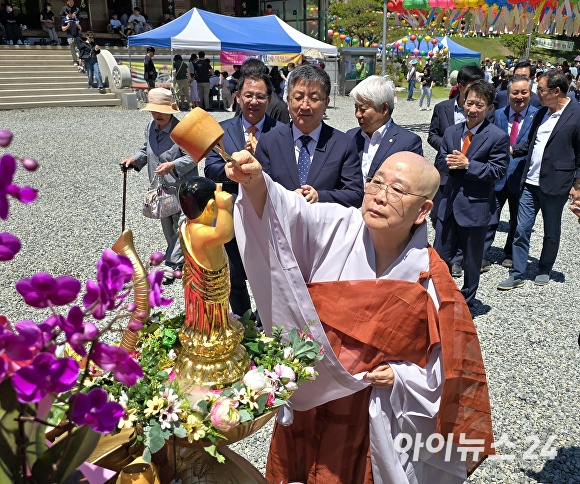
x=516 y=43
x=360 y=18
x=68 y=453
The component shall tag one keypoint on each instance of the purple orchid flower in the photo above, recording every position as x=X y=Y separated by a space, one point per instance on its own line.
x=78 y=332
x=155 y=280
x=42 y=289
x=5 y=137
x=9 y=246
x=46 y=374
x=24 y=194
x=94 y=410
x=113 y=272
x=112 y=358
x=21 y=346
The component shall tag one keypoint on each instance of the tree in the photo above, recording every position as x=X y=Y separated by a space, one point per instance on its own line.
x=517 y=43
x=362 y=19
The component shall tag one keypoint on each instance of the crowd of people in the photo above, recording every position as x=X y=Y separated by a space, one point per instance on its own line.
x=337 y=207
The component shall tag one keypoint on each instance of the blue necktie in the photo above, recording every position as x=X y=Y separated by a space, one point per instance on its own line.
x=304 y=159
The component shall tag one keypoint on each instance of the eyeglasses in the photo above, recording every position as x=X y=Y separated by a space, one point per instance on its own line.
x=311 y=101
x=394 y=193
x=540 y=90
x=260 y=98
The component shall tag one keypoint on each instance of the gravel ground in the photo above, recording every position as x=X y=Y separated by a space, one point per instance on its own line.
x=528 y=335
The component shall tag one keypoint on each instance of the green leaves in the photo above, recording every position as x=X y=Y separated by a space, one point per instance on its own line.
x=69 y=453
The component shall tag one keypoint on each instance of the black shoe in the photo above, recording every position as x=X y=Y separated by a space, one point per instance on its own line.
x=485 y=266
x=102 y=90
x=456 y=270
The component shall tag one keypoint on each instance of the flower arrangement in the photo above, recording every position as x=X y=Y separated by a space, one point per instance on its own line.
x=158 y=409
x=42 y=383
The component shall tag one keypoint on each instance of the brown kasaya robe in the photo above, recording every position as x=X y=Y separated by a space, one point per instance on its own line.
x=369 y=323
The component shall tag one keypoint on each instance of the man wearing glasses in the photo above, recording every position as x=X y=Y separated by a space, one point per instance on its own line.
x=242 y=132
x=552 y=168
x=368 y=286
x=474 y=155
x=307 y=156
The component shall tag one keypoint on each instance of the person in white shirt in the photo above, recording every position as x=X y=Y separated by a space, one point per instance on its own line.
x=378 y=137
x=138 y=21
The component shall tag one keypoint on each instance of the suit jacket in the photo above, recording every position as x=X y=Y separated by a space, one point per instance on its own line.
x=501 y=100
x=515 y=168
x=335 y=170
x=233 y=141
x=396 y=139
x=443 y=117
x=561 y=159
x=469 y=194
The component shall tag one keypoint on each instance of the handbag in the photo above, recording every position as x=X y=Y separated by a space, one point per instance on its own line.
x=161 y=200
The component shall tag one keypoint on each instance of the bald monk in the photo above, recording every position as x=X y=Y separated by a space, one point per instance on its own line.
x=402 y=354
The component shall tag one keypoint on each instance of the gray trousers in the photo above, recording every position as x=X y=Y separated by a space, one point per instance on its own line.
x=173 y=254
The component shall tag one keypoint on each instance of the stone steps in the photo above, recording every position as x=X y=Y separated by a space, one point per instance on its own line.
x=43 y=76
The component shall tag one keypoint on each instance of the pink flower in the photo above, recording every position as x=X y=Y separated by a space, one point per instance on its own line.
x=5 y=137
x=285 y=374
x=224 y=414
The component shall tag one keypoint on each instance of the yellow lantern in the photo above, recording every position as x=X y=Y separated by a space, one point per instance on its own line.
x=427 y=38
x=445 y=50
x=405 y=40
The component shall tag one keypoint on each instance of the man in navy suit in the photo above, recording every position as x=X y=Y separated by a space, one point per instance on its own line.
x=523 y=68
x=515 y=120
x=378 y=136
x=552 y=167
x=474 y=155
x=445 y=114
x=307 y=156
x=242 y=132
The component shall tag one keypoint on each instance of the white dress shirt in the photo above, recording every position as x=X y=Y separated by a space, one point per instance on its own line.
x=542 y=136
x=372 y=146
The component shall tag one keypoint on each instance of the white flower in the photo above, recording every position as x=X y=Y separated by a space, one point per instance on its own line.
x=169 y=396
x=123 y=400
x=288 y=353
x=291 y=386
x=168 y=416
x=309 y=370
x=172 y=354
x=257 y=381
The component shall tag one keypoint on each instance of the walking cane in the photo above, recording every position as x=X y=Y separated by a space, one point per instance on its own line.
x=124 y=169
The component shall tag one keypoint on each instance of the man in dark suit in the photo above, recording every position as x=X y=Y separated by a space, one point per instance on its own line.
x=445 y=114
x=378 y=136
x=307 y=156
x=552 y=167
x=474 y=156
x=515 y=120
x=523 y=68
x=242 y=132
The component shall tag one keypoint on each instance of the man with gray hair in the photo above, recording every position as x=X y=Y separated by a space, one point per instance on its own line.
x=307 y=156
x=378 y=136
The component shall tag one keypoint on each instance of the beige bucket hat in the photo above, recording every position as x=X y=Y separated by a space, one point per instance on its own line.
x=161 y=100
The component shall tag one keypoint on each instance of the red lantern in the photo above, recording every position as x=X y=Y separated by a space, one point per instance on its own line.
x=413 y=38
x=434 y=41
x=431 y=54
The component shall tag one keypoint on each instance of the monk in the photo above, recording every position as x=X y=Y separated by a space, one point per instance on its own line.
x=401 y=394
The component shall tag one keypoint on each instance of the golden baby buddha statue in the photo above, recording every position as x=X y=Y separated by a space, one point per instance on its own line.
x=212 y=354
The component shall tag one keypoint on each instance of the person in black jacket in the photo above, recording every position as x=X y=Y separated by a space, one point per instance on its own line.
x=149 y=71
x=88 y=52
x=11 y=25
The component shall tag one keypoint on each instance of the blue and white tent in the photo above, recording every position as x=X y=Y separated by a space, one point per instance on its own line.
x=211 y=32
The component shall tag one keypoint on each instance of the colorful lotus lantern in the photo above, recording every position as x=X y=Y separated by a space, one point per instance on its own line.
x=431 y=54
x=347 y=40
x=374 y=45
x=415 y=51
x=342 y=37
x=427 y=38
x=400 y=48
x=335 y=35
x=413 y=38
x=330 y=32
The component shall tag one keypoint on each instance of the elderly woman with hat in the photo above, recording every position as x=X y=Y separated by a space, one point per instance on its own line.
x=166 y=164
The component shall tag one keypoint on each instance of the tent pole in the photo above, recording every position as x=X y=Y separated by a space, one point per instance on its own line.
x=335 y=79
x=130 y=69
